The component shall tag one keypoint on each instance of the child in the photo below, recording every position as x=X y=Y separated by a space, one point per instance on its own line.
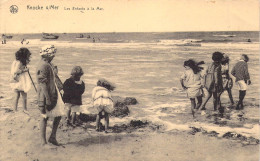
x=191 y=81
x=226 y=79
x=213 y=82
x=102 y=101
x=240 y=72
x=20 y=79
x=73 y=88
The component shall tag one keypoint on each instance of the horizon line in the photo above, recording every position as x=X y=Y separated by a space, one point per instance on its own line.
x=127 y=32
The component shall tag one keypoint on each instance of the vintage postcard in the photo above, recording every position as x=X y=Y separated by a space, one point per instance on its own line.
x=135 y=80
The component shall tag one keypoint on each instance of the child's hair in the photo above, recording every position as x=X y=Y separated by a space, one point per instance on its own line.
x=194 y=65
x=246 y=58
x=77 y=70
x=217 y=56
x=225 y=59
x=22 y=55
x=104 y=83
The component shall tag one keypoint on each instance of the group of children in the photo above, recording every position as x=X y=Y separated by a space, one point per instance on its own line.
x=52 y=103
x=73 y=88
x=215 y=79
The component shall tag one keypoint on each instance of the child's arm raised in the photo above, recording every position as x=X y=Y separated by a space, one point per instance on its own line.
x=82 y=90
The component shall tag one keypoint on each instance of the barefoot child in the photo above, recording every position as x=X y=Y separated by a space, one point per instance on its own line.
x=102 y=101
x=213 y=82
x=20 y=80
x=49 y=101
x=73 y=90
x=191 y=81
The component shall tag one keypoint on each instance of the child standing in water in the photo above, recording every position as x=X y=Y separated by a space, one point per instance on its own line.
x=20 y=79
x=102 y=101
x=73 y=88
x=191 y=81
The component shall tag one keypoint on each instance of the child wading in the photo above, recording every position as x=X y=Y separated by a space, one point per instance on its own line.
x=20 y=79
x=191 y=81
x=102 y=101
x=240 y=72
x=213 y=82
x=226 y=79
x=73 y=90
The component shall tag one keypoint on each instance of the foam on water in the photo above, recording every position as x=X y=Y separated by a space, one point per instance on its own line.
x=253 y=131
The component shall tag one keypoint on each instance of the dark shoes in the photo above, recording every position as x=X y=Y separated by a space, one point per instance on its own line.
x=239 y=106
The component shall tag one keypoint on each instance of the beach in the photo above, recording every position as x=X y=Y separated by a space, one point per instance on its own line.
x=146 y=66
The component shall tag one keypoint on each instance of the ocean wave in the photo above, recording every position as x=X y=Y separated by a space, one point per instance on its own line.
x=181 y=41
x=224 y=35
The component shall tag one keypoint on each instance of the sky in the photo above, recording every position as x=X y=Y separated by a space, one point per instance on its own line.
x=129 y=16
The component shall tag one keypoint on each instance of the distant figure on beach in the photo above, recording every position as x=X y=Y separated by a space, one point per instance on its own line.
x=213 y=82
x=226 y=79
x=49 y=98
x=20 y=79
x=73 y=88
x=24 y=41
x=240 y=72
x=191 y=81
x=93 y=40
x=103 y=102
x=4 y=41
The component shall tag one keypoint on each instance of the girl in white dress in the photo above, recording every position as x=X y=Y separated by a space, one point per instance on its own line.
x=103 y=102
x=20 y=80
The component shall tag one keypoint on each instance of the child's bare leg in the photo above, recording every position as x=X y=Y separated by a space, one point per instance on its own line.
x=106 y=121
x=215 y=101
x=193 y=105
x=17 y=96
x=68 y=115
x=43 y=124
x=206 y=101
x=73 y=117
x=199 y=102
x=230 y=96
x=24 y=95
x=52 y=138
x=98 y=120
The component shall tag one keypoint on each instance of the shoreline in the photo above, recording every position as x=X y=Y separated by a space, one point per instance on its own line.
x=151 y=141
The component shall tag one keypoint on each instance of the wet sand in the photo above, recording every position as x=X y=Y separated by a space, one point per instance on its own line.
x=145 y=141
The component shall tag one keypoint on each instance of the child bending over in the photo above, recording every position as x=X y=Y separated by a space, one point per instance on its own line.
x=102 y=101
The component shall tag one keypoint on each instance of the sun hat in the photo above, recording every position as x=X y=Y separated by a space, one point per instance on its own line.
x=48 y=50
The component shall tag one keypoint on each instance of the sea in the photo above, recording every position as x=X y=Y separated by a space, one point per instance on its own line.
x=146 y=66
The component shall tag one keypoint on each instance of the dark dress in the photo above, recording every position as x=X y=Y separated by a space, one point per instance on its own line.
x=213 y=78
x=73 y=92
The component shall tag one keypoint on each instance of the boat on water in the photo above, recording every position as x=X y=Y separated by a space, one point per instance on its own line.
x=49 y=36
x=7 y=36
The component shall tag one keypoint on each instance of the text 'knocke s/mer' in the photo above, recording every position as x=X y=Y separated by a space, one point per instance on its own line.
x=38 y=7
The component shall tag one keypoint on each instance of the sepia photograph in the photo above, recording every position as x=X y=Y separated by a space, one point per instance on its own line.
x=129 y=80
